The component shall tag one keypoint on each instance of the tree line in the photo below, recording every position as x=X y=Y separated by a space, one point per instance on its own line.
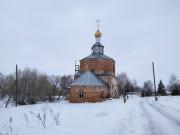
x=127 y=85
x=34 y=86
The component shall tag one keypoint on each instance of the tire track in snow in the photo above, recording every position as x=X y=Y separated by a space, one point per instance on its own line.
x=166 y=114
x=168 y=107
x=153 y=126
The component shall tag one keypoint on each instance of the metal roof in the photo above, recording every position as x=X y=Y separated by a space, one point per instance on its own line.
x=97 y=43
x=97 y=55
x=89 y=78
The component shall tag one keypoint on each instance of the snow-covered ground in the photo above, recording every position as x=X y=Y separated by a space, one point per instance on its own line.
x=139 y=116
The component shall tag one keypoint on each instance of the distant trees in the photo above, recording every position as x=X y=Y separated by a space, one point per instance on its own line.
x=161 y=89
x=2 y=81
x=173 y=81
x=34 y=86
x=147 y=88
x=123 y=79
x=126 y=85
x=54 y=82
x=176 y=90
x=64 y=85
x=135 y=87
x=7 y=85
x=174 y=85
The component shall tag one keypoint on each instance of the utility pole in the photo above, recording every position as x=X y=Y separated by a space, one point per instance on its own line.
x=16 y=85
x=124 y=96
x=154 y=82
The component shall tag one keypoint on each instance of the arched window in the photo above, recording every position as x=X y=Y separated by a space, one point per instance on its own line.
x=102 y=94
x=81 y=94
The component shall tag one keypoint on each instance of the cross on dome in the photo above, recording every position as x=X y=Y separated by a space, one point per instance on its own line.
x=98 y=33
x=98 y=21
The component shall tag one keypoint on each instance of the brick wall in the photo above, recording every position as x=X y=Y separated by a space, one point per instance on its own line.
x=113 y=84
x=99 y=66
x=90 y=94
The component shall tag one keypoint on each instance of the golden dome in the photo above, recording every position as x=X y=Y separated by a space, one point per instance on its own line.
x=97 y=34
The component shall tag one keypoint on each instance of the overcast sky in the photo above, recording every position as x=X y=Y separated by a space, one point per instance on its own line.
x=50 y=35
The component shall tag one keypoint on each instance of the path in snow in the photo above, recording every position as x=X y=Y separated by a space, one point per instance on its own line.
x=160 y=122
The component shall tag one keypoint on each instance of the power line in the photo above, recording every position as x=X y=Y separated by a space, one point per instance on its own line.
x=144 y=75
x=167 y=72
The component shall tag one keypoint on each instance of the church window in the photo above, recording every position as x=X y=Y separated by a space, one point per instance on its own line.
x=102 y=94
x=81 y=94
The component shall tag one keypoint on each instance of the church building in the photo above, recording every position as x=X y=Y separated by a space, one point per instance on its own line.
x=94 y=80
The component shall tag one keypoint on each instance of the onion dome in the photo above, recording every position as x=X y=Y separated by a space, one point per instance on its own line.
x=98 y=34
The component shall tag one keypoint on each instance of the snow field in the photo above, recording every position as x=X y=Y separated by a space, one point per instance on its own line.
x=139 y=116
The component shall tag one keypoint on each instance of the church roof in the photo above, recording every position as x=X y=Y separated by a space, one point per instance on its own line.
x=89 y=78
x=97 y=55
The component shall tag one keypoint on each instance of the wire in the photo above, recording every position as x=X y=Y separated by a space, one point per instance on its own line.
x=167 y=72
x=144 y=75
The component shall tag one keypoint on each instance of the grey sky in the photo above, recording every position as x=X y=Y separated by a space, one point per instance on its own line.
x=50 y=35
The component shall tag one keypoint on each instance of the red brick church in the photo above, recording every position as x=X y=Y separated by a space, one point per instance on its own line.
x=95 y=80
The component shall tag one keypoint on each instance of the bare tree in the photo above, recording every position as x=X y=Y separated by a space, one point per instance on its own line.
x=2 y=81
x=173 y=82
x=123 y=79
x=34 y=86
x=136 y=88
x=64 y=85
x=8 y=85
x=54 y=81
x=44 y=88
x=174 y=85
x=125 y=84
x=147 y=88
x=23 y=79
